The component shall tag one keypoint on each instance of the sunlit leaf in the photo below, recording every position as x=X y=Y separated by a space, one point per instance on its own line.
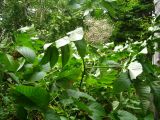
x=135 y=69
x=27 y=52
x=76 y=34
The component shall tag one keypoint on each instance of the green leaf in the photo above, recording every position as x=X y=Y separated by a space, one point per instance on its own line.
x=122 y=83
x=7 y=62
x=50 y=114
x=31 y=96
x=83 y=106
x=65 y=50
x=21 y=113
x=38 y=76
x=144 y=93
x=81 y=47
x=78 y=94
x=51 y=56
x=156 y=93
x=98 y=111
x=124 y=115
x=28 y=53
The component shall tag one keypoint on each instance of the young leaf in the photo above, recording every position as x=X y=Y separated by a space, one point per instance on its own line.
x=27 y=52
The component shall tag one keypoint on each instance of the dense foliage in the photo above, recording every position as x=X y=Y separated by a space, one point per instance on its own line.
x=50 y=71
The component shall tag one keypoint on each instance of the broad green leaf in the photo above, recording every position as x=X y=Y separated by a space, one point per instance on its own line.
x=98 y=111
x=50 y=114
x=124 y=115
x=81 y=47
x=78 y=94
x=83 y=106
x=7 y=62
x=67 y=102
x=51 y=56
x=135 y=69
x=65 y=51
x=31 y=96
x=144 y=95
x=156 y=94
x=38 y=76
x=28 y=53
x=122 y=83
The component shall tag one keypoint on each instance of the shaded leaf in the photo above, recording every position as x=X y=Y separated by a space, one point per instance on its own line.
x=78 y=94
x=65 y=51
x=81 y=47
x=98 y=111
x=122 y=83
x=50 y=114
x=51 y=56
x=31 y=96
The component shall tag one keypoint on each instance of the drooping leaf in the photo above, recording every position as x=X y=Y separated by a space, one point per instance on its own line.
x=28 y=53
x=30 y=96
x=51 y=56
x=81 y=47
x=122 y=83
x=50 y=114
x=65 y=51
x=124 y=115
